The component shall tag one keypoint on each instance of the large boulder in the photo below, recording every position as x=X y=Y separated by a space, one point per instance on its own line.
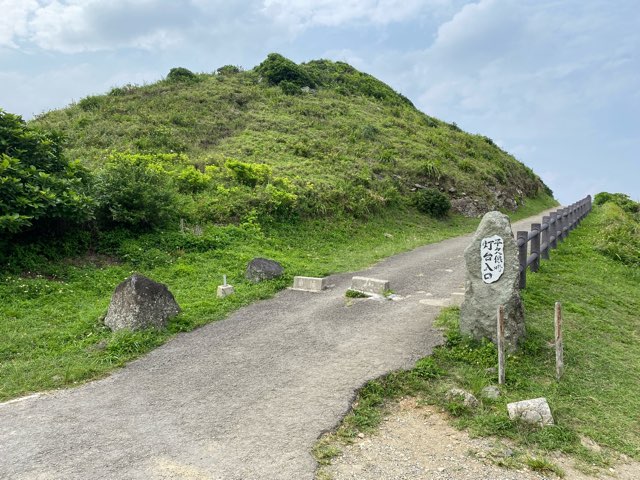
x=490 y=284
x=260 y=269
x=139 y=303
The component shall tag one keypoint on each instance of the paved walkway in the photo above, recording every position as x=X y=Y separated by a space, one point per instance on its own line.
x=243 y=398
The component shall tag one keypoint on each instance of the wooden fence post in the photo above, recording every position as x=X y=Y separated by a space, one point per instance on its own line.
x=561 y=225
x=559 y=341
x=501 y=375
x=545 y=237
x=554 y=232
x=535 y=247
x=522 y=240
x=569 y=219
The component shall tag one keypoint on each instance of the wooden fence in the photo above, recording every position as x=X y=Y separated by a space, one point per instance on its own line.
x=546 y=235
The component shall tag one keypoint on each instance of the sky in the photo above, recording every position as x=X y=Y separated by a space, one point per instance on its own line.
x=554 y=82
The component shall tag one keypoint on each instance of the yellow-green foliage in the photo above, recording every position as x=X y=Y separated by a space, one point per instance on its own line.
x=619 y=234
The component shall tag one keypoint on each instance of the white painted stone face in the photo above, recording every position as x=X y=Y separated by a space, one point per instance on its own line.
x=491 y=258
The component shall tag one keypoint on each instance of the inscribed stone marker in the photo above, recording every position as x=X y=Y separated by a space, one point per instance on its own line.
x=492 y=258
x=483 y=293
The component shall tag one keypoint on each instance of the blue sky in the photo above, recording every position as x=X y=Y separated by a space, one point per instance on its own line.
x=554 y=82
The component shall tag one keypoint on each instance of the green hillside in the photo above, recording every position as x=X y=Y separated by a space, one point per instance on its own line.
x=334 y=140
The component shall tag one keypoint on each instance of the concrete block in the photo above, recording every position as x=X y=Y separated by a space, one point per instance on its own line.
x=309 y=284
x=225 y=291
x=369 y=285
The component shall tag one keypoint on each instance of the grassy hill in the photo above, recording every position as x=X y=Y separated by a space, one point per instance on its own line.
x=334 y=140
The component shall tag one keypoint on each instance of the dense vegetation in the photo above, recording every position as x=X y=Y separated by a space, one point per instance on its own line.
x=596 y=279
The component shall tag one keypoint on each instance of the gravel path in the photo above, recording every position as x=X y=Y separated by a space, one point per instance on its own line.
x=243 y=398
x=417 y=442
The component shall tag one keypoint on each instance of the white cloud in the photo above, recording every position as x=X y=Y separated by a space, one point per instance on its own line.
x=14 y=20
x=300 y=14
x=72 y=26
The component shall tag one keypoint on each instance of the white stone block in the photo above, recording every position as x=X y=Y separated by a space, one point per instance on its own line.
x=225 y=291
x=309 y=284
x=370 y=285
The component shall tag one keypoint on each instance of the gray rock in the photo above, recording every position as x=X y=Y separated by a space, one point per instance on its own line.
x=468 y=399
x=478 y=313
x=534 y=412
x=260 y=269
x=139 y=303
x=468 y=207
x=491 y=392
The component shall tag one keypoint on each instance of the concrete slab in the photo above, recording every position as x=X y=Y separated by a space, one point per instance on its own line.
x=370 y=285
x=309 y=284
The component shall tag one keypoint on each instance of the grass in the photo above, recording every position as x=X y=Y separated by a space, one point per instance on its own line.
x=599 y=395
x=542 y=465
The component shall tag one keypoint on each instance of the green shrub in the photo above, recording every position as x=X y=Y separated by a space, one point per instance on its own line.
x=91 y=102
x=37 y=183
x=290 y=88
x=466 y=166
x=619 y=234
x=276 y=69
x=180 y=74
x=432 y=202
x=431 y=170
x=249 y=174
x=191 y=180
x=135 y=192
x=228 y=70
x=621 y=199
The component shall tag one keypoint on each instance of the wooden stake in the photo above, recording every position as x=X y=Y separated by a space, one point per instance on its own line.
x=559 y=342
x=501 y=376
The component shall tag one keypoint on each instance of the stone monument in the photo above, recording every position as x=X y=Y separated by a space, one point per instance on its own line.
x=492 y=273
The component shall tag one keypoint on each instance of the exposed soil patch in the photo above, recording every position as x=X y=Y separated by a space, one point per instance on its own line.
x=417 y=442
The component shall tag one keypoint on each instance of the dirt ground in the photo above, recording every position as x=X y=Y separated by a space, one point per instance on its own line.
x=417 y=442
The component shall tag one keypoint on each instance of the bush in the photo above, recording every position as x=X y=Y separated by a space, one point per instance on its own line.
x=249 y=174
x=290 y=88
x=620 y=199
x=619 y=234
x=180 y=74
x=228 y=70
x=277 y=69
x=37 y=184
x=134 y=192
x=432 y=202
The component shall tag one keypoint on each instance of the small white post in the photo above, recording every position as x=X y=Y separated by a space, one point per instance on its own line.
x=559 y=342
x=224 y=280
x=501 y=375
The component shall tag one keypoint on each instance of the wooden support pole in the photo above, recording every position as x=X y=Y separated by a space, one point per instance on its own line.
x=559 y=342
x=501 y=375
